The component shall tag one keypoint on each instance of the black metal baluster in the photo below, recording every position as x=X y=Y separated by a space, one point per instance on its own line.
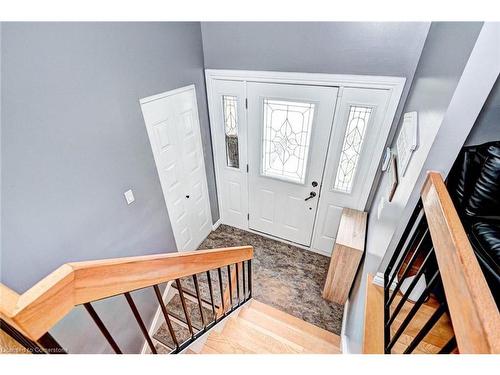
x=238 y=283
x=219 y=272
x=399 y=248
x=50 y=345
x=209 y=279
x=417 y=235
x=140 y=322
x=244 y=281
x=249 y=278
x=449 y=346
x=410 y=288
x=165 y=314
x=192 y=294
x=413 y=311
x=426 y=328
x=416 y=212
x=90 y=309
x=414 y=257
x=230 y=286
x=183 y=302
x=197 y=289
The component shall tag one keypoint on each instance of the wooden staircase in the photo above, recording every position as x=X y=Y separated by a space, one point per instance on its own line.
x=257 y=328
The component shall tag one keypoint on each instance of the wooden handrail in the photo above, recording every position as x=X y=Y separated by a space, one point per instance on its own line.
x=37 y=310
x=474 y=314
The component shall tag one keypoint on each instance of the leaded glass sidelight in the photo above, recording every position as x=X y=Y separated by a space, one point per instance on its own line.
x=351 y=148
x=230 y=111
x=286 y=133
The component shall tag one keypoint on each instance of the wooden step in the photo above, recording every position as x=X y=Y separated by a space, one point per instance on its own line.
x=291 y=320
x=249 y=336
x=221 y=344
x=291 y=332
x=262 y=329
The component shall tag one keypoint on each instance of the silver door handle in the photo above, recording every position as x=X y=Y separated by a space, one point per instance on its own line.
x=312 y=194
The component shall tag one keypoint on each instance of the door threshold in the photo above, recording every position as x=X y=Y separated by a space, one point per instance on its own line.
x=308 y=248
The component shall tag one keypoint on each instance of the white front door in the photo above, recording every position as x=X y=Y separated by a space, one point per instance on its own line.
x=173 y=128
x=288 y=133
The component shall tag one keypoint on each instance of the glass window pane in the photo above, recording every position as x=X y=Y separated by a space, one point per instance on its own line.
x=351 y=148
x=286 y=135
x=230 y=109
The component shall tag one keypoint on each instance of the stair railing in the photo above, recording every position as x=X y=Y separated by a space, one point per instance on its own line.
x=27 y=318
x=434 y=245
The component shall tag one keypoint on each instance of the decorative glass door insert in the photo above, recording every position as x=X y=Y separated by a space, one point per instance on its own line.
x=351 y=147
x=286 y=137
x=230 y=109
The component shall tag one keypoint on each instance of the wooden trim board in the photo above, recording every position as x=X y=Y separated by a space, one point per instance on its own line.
x=373 y=338
x=347 y=253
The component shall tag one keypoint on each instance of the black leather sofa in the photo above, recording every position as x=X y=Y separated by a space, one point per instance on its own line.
x=474 y=185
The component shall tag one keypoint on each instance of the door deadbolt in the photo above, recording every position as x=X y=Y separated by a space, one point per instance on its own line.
x=314 y=184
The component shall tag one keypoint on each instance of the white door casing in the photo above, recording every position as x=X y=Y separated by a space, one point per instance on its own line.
x=232 y=184
x=358 y=137
x=288 y=125
x=392 y=87
x=173 y=128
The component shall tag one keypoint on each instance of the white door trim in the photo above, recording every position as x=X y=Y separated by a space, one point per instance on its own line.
x=394 y=85
x=315 y=79
x=166 y=94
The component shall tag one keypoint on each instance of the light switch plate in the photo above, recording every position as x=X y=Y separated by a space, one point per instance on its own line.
x=129 y=196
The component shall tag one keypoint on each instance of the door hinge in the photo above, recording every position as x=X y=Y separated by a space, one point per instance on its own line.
x=247 y=168
x=248 y=216
x=246 y=103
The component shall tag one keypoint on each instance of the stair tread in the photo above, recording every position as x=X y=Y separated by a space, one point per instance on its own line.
x=175 y=306
x=295 y=322
x=249 y=336
x=218 y=343
x=181 y=332
x=291 y=332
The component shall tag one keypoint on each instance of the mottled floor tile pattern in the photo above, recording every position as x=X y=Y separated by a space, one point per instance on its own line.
x=284 y=276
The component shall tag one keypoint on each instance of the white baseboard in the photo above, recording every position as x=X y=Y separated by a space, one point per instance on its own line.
x=168 y=293
x=344 y=339
x=379 y=281
x=216 y=224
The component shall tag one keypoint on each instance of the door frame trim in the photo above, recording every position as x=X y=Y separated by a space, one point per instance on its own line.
x=391 y=83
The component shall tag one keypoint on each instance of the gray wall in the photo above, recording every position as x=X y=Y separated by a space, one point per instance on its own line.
x=445 y=54
x=73 y=140
x=487 y=126
x=315 y=47
x=368 y=48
